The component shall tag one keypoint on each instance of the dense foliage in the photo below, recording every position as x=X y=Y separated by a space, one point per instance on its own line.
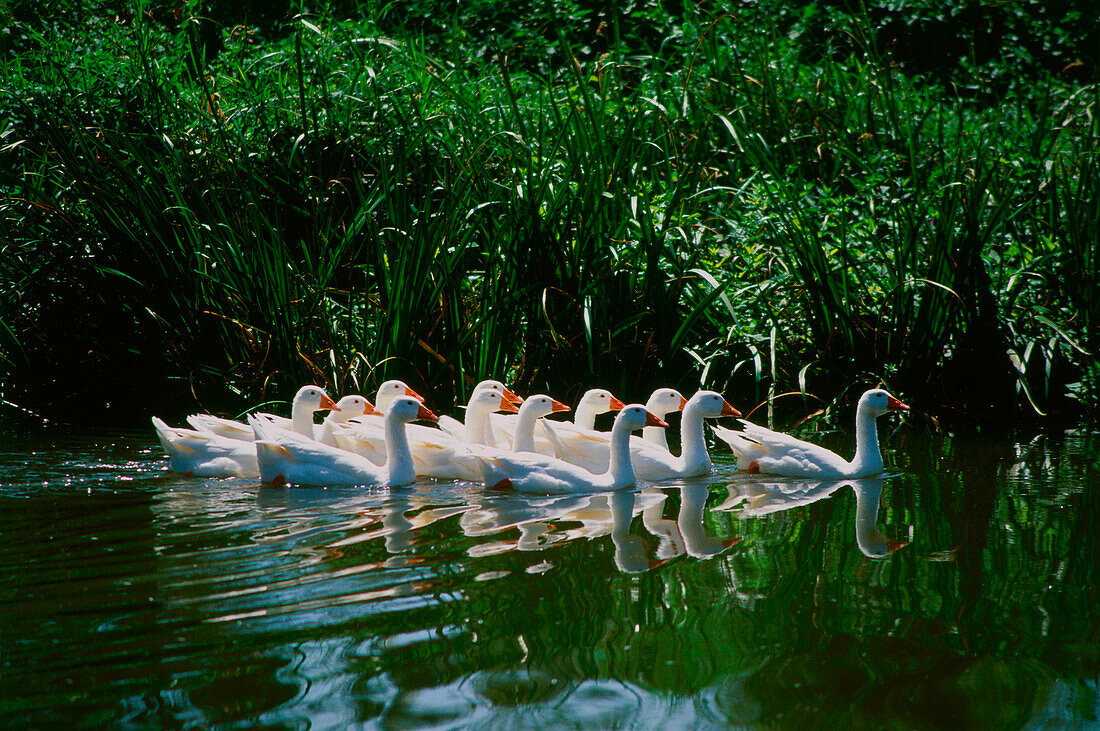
x=198 y=202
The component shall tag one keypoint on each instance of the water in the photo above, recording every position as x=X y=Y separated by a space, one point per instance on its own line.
x=958 y=592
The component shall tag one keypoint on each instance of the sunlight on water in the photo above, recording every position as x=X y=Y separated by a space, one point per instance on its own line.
x=958 y=591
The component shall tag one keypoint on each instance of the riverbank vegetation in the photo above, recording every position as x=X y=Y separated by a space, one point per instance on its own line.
x=205 y=208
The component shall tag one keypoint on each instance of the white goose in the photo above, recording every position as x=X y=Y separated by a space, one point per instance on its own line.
x=662 y=402
x=475 y=428
x=655 y=464
x=287 y=457
x=200 y=453
x=532 y=472
x=306 y=401
x=760 y=450
x=651 y=462
x=481 y=405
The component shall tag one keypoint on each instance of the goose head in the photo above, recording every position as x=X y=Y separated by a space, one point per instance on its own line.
x=664 y=400
x=352 y=406
x=407 y=408
x=636 y=416
x=877 y=402
x=315 y=398
x=491 y=400
x=541 y=405
x=390 y=390
x=711 y=405
x=500 y=389
x=600 y=401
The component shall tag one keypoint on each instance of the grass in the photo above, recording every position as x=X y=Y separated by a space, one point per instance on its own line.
x=323 y=199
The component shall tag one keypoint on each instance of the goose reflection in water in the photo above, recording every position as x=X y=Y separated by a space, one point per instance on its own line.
x=752 y=499
x=595 y=516
x=506 y=522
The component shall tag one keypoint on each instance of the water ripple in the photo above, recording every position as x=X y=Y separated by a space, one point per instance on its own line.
x=130 y=596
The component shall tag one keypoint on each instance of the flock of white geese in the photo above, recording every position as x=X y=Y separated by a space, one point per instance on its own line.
x=503 y=442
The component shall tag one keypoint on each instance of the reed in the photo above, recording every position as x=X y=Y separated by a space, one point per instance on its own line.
x=723 y=207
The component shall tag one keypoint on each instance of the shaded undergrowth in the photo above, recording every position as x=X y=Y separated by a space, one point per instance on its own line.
x=197 y=208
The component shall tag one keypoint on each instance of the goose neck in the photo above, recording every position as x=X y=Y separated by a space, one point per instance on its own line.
x=619 y=465
x=524 y=439
x=693 y=443
x=585 y=417
x=399 y=461
x=868 y=457
x=301 y=419
x=476 y=421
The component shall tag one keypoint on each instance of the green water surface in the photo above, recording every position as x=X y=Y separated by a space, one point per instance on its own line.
x=957 y=592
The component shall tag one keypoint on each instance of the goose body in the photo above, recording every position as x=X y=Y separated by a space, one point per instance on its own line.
x=287 y=457
x=201 y=454
x=761 y=450
x=537 y=473
x=221 y=427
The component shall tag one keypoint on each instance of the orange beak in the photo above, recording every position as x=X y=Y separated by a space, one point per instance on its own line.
x=894 y=405
x=424 y=412
x=557 y=406
x=371 y=411
x=508 y=406
x=327 y=403
x=414 y=394
x=728 y=410
x=892 y=546
x=511 y=396
x=652 y=420
x=616 y=404
x=683 y=403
